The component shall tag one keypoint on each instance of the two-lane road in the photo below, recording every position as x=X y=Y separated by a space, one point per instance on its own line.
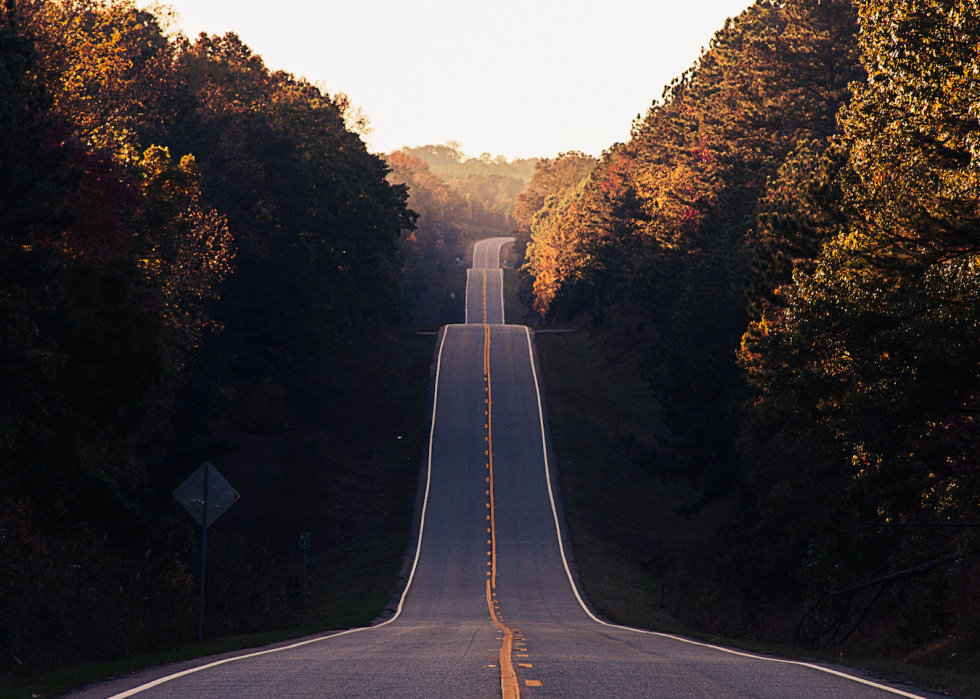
x=485 y=283
x=490 y=609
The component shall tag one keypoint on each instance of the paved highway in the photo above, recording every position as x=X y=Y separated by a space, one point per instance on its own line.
x=490 y=610
x=485 y=283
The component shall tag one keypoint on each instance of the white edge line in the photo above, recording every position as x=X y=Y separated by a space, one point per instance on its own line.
x=401 y=602
x=571 y=581
x=503 y=315
x=502 y=242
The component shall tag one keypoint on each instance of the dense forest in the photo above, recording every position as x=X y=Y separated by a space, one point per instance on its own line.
x=200 y=259
x=433 y=251
x=458 y=200
x=195 y=252
x=488 y=185
x=793 y=229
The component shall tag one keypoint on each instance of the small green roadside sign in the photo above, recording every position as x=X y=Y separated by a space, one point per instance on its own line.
x=304 y=540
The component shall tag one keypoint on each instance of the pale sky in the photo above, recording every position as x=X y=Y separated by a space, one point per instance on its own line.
x=508 y=77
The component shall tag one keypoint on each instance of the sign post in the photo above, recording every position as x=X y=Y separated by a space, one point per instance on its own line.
x=304 y=543
x=205 y=495
x=204 y=551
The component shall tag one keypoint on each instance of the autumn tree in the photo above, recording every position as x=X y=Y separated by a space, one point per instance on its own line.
x=665 y=223
x=435 y=245
x=186 y=239
x=551 y=187
x=314 y=219
x=864 y=348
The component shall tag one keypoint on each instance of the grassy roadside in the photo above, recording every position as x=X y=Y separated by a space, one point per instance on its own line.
x=627 y=539
x=60 y=682
x=628 y=543
x=365 y=514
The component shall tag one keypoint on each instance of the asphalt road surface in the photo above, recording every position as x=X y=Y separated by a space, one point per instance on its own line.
x=485 y=283
x=490 y=609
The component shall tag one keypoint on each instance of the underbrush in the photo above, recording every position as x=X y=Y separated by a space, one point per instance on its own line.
x=345 y=471
x=643 y=564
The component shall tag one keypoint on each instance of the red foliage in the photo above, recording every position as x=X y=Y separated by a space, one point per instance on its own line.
x=701 y=154
x=617 y=177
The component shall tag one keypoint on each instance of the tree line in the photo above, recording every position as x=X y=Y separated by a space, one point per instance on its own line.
x=793 y=227
x=458 y=200
x=191 y=245
x=487 y=184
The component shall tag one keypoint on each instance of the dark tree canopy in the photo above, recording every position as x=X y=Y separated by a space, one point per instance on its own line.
x=794 y=225
x=190 y=245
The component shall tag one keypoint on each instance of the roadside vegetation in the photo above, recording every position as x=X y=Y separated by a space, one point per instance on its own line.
x=355 y=500
x=488 y=185
x=199 y=260
x=765 y=418
x=634 y=543
x=785 y=253
x=453 y=214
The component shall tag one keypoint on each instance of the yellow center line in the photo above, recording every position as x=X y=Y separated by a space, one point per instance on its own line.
x=508 y=676
x=509 y=684
x=484 y=295
x=493 y=521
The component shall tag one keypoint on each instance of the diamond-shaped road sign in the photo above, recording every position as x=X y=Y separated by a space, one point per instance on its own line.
x=221 y=495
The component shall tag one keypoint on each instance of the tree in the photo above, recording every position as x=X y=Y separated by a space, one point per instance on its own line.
x=865 y=344
x=554 y=179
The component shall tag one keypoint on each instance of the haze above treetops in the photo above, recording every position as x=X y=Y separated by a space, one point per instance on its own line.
x=518 y=79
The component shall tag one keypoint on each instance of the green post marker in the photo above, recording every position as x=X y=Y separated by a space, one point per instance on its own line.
x=304 y=543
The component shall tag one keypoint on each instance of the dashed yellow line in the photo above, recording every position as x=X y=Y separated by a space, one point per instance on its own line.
x=509 y=684
x=508 y=677
x=489 y=453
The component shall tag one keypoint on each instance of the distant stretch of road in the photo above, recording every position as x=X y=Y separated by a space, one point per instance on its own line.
x=490 y=609
x=485 y=283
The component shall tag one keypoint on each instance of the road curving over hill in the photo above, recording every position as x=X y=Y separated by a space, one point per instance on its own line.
x=491 y=609
x=485 y=283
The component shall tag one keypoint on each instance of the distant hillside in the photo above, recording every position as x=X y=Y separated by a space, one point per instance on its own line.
x=448 y=161
x=488 y=185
